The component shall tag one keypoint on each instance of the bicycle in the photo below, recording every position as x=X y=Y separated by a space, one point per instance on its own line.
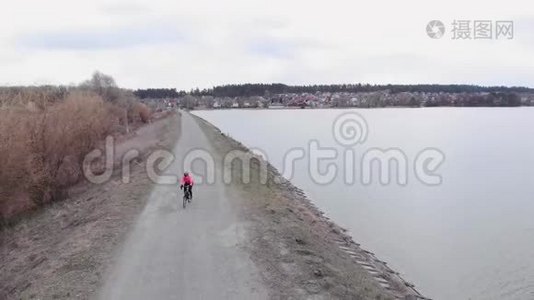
x=187 y=195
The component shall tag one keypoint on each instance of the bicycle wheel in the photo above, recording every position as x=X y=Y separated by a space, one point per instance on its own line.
x=185 y=200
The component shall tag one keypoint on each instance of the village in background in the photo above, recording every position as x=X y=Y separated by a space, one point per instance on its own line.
x=264 y=96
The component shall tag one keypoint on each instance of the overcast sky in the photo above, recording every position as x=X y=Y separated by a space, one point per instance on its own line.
x=202 y=43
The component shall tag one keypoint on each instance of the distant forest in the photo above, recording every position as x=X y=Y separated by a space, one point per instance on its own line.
x=259 y=89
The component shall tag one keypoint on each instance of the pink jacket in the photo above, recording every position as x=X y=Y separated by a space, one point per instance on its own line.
x=187 y=180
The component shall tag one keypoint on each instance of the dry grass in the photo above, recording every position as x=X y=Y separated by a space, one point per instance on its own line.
x=45 y=134
x=38 y=97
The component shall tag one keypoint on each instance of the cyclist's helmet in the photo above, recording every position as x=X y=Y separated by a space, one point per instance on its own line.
x=186 y=174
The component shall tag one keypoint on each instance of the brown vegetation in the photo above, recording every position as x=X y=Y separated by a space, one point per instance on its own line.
x=144 y=112
x=45 y=132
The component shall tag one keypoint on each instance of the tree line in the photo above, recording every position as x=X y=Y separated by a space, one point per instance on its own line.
x=261 y=89
x=159 y=93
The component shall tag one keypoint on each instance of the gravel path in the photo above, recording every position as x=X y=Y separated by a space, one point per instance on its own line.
x=194 y=253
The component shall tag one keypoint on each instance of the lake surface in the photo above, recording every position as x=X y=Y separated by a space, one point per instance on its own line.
x=470 y=237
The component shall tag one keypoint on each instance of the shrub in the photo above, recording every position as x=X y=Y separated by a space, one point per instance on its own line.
x=143 y=112
x=42 y=149
x=46 y=131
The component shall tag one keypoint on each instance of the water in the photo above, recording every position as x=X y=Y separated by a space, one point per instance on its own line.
x=471 y=237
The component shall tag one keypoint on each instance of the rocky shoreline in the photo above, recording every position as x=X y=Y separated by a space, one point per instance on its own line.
x=328 y=241
x=378 y=269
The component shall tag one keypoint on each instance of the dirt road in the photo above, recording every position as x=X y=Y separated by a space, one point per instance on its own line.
x=197 y=253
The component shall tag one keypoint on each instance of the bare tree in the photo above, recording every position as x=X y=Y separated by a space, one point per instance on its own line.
x=189 y=102
x=104 y=85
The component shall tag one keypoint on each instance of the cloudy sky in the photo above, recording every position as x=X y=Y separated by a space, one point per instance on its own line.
x=201 y=43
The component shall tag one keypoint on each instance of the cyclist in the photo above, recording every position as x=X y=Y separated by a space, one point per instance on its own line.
x=187 y=183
